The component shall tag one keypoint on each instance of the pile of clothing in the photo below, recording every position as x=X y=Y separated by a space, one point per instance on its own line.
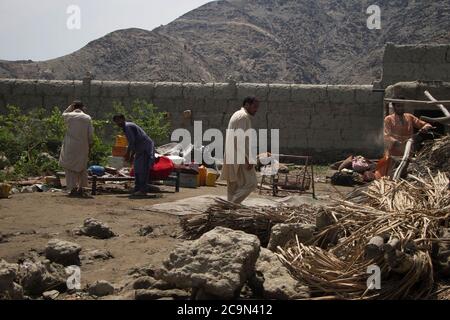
x=355 y=170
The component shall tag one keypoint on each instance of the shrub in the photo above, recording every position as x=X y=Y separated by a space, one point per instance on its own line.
x=32 y=140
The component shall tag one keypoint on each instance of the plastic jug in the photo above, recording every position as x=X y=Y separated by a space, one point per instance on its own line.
x=5 y=189
x=202 y=173
x=121 y=141
x=211 y=178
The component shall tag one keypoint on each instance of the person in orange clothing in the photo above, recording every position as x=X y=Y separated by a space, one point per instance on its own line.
x=398 y=129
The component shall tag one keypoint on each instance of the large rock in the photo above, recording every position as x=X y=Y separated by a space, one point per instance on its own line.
x=9 y=289
x=50 y=295
x=101 y=288
x=96 y=229
x=98 y=254
x=155 y=294
x=216 y=266
x=37 y=277
x=273 y=280
x=281 y=234
x=63 y=252
x=144 y=283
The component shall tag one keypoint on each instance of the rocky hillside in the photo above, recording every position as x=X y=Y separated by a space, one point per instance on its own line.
x=303 y=41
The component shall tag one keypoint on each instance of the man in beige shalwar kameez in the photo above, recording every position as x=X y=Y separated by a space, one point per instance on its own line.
x=240 y=175
x=76 y=146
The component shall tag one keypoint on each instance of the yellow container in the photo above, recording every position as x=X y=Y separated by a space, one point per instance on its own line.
x=211 y=179
x=202 y=172
x=5 y=189
x=121 y=141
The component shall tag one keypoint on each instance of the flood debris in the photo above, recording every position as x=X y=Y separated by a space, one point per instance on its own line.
x=95 y=229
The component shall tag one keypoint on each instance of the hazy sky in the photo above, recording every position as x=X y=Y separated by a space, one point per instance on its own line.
x=37 y=29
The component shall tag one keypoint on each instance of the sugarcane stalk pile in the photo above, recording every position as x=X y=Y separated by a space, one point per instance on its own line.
x=253 y=220
x=395 y=226
x=434 y=155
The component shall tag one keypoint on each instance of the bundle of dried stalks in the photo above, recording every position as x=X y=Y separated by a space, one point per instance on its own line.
x=257 y=221
x=428 y=193
x=404 y=216
x=435 y=155
x=331 y=277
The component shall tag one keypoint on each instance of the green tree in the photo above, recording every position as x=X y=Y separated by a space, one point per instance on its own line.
x=147 y=116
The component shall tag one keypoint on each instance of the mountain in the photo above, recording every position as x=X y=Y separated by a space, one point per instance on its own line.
x=302 y=41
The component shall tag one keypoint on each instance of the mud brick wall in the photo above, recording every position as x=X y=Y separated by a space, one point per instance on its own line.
x=415 y=62
x=325 y=121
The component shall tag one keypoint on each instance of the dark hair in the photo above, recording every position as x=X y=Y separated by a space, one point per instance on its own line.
x=118 y=117
x=249 y=100
x=77 y=104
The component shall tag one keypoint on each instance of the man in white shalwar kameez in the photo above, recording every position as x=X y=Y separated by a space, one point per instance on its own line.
x=240 y=175
x=76 y=146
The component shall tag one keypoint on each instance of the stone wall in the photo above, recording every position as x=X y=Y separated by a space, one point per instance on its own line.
x=325 y=121
x=415 y=62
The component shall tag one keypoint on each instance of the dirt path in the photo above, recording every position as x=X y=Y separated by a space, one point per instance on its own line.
x=42 y=216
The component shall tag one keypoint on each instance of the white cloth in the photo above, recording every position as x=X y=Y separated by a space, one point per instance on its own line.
x=240 y=120
x=241 y=181
x=79 y=136
x=76 y=180
x=246 y=183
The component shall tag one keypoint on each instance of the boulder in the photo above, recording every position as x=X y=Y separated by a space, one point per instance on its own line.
x=282 y=233
x=98 y=254
x=63 y=252
x=50 y=295
x=9 y=289
x=217 y=265
x=273 y=281
x=37 y=277
x=101 y=288
x=156 y=294
x=148 y=270
x=144 y=283
x=96 y=229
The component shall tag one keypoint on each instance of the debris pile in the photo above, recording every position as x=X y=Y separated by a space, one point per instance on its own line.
x=435 y=155
x=258 y=221
x=95 y=229
x=393 y=226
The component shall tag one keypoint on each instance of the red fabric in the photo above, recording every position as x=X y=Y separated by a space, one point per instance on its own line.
x=160 y=170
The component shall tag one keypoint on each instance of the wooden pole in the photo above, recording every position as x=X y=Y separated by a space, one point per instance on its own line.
x=442 y=102
x=404 y=160
x=444 y=120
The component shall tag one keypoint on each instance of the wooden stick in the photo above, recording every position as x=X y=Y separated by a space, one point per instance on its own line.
x=440 y=106
x=404 y=161
x=417 y=101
